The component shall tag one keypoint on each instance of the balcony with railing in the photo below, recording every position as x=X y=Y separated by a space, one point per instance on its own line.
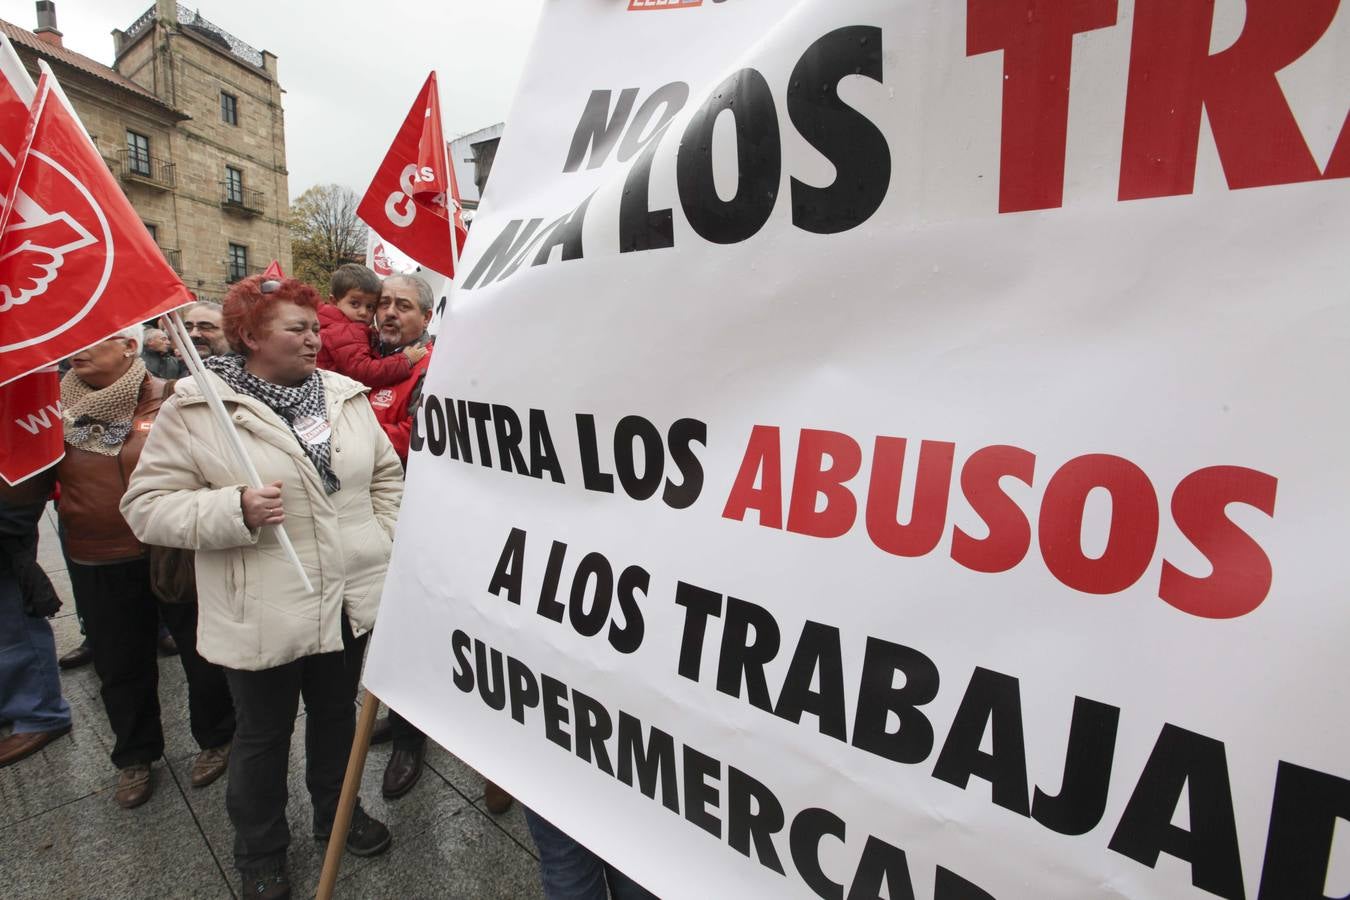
x=238 y=199
x=142 y=168
x=174 y=257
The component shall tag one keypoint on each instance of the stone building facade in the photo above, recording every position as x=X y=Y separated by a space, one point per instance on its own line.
x=189 y=118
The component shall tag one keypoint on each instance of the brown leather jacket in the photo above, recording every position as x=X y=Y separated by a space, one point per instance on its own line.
x=92 y=485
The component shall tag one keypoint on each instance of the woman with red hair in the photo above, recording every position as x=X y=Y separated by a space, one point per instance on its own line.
x=332 y=476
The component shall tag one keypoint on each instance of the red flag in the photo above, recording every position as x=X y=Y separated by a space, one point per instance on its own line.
x=31 y=435
x=432 y=180
x=406 y=201
x=77 y=265
x=273 y=271
x=16 y=99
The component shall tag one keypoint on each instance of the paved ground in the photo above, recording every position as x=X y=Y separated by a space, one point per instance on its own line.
x=61 y=835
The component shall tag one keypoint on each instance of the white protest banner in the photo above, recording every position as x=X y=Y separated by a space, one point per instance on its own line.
x=898 y=449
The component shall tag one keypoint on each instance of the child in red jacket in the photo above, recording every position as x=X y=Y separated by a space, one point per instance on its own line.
x=345 y=329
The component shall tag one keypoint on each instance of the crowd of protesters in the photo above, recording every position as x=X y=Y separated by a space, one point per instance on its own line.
x=170 y=550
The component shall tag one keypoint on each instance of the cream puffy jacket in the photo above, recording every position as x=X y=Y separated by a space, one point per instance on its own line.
x=254 y=612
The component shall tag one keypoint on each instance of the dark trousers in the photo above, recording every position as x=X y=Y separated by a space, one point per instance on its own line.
x=123 y=617
x=406 y=735
x=568 y=871
x=266 y=703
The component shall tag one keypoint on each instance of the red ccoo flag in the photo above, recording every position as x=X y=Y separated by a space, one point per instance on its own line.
x=76 y=265
x=31 y=434
x=16 y=100
x=432 y=180
x=406 y=202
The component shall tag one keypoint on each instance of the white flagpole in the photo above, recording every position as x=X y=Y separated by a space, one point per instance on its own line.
x=451 y=207
x=34 y=116
x=194 y=363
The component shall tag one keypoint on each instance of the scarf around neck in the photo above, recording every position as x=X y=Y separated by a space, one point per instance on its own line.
x=301 y=407
x=99 y=419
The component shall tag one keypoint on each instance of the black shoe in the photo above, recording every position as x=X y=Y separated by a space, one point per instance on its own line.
x=403 y=771
x=366 y=837
x=384 y=731
x=82 y=655
x=265 y=884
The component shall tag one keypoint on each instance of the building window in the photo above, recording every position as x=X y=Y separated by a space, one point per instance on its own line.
x=154 y=231
x=238 y=262
x=234 y=185
x=229 y=108
x=138 y=154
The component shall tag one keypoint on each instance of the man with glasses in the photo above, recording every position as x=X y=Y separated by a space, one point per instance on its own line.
x=202 y=320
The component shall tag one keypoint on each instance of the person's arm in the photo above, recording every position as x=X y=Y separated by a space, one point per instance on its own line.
x=169 y=504
x=386 y=480
x=400 y=432
x=354 y=357
x=400 y=436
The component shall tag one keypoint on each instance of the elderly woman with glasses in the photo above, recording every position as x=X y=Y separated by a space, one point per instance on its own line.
x=333 y=478
x=109 y=404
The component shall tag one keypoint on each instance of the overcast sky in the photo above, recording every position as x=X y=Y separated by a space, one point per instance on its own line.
x=350 y=68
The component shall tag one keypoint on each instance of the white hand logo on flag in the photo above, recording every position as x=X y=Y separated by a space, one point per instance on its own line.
x=31 y=254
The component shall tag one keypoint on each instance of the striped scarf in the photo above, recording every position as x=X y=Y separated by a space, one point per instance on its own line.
x=300 y=407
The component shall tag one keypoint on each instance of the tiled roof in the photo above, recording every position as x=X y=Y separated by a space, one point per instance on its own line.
x=25 y=38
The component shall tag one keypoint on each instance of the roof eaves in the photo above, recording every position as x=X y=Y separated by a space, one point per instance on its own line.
x=83 y=64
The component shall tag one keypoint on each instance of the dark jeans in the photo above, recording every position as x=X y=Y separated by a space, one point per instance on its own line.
x=266 y=702
x=569 y=871
x=406 y=735
x=123 y=621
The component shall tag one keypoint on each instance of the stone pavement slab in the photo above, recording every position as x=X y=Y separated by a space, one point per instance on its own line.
x=461 y=855
x=92 y=848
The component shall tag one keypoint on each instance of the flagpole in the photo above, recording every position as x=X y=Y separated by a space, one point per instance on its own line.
x=194 y=363
x=21 y=161
x=351 y=788
x=451 y=206
x=61 y=92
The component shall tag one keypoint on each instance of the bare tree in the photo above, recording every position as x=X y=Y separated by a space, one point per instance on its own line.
x=325 y=232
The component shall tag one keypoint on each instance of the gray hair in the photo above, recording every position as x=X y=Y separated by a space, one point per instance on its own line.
x=152 y=333
x=426 y=299
x=205 y=304
x=131 y=333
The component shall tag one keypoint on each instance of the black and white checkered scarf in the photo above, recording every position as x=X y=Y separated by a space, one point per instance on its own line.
x=290 y=403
